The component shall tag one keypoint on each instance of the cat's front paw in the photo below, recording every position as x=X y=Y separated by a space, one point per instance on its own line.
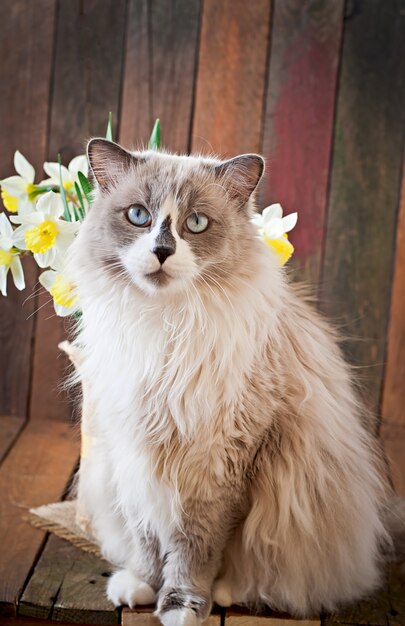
x=180 y=617
x=182 y=607
x=126 y=588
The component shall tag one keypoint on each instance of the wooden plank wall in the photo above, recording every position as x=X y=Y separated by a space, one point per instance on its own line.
x=317 y=86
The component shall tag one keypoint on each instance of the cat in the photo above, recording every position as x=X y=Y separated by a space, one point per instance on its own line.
x=229 y=460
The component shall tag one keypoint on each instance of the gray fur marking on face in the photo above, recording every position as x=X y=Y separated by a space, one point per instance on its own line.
x=165 y=243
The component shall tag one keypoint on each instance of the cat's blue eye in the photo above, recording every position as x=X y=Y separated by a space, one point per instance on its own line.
x=139 y=216
x=197 y=223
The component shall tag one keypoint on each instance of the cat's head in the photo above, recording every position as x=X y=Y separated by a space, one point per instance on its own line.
x=162 y=221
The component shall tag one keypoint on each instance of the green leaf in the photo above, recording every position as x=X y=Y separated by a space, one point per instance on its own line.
x=66 y=212
x=81 y=210
x=154 y=141
x=86 y=186
x=109 y=133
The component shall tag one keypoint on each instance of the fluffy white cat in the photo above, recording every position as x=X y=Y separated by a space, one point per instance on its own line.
x=229 y=461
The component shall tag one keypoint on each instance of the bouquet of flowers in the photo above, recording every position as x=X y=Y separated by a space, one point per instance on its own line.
x=48 y=215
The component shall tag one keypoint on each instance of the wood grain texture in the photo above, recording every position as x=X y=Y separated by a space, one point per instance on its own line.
x=35 y=472
x=86 y=84
x=10 y=428
x=25 y=76
x=365 y=184
x=87 y=74
x=49 y=366
x=68 y=585
x=393 y=402
x=159 y=75
x=298 y=129
x=144 y=617
x=231 y=76
x=257 y=620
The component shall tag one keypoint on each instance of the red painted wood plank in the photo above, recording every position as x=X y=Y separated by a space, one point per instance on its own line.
x=304 y=54
x=160 y=71
x=231 y=76
x=393 y=400
x=26 y=42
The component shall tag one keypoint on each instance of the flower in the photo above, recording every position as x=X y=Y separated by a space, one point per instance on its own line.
x=43 y=233
x=69 y=174
x=19 y=189
x=63 y=292
x=273 y=229
x=9 y=259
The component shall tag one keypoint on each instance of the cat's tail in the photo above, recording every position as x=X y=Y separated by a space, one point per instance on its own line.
x=394 y=520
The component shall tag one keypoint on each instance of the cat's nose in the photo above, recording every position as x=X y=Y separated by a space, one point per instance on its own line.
x=162 y=252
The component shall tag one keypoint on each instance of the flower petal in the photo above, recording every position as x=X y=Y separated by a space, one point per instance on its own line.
x=52 y=169
x=273 y=229
x=23 y=168
x=3 y=279
x=15 y=186
x=289 y=221
x=17 y=272
x=78 y=164
x=46 y=258
x=6 y=230
x=47 y=279
x=19 y=237
x=271 y=212
x=63 y=311
x=56 y=205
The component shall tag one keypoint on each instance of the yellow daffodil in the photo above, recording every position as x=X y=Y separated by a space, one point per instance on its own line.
x=63 y=292
x=18 y=190
x=69 y=174
x=273 y=229
x=9 y=259
x=43 y=233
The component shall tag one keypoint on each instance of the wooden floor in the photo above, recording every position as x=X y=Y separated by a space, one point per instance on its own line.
x=45 y=579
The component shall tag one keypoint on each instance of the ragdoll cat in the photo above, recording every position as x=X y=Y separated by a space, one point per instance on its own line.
x=229 y=462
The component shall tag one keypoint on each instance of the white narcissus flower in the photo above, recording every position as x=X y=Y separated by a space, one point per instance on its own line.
x=63 y=292
x=273 y=229
x=69 y=173
x=16 y=190
x=43 y=233
x=9 y=259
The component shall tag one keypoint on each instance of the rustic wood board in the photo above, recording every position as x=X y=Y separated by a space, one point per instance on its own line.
x=143 y=616
x=25 y=76
x=231 y=76
x=34 y=472
x=298 y=128
x=257 y=620
x=240 y=616
x=393 y=403
x=49 y=365
x=160 y=66
x=68 y=585
x=10 y=428
x=385 y=608
x=87 y=73
x=365 y=184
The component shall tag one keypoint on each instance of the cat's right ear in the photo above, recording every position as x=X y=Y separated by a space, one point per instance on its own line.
x=107 y=161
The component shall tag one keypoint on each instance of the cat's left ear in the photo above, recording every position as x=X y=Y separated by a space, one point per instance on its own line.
x=241 y=175
x=107 y=161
